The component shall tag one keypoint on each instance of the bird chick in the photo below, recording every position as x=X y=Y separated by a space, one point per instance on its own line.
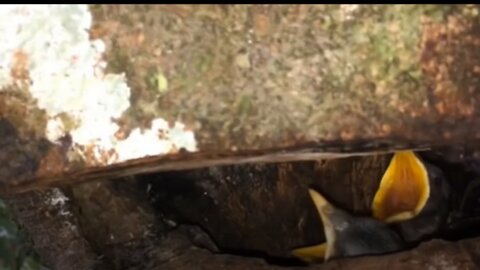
x=348 y=235
x=404 y=189
x=413 y=196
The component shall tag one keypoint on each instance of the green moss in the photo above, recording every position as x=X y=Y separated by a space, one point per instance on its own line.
x=316 y=70
x=15 y=250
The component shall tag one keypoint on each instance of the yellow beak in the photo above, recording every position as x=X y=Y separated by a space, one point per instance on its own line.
x=404 y=189
x=311 y=254
x=321 y=252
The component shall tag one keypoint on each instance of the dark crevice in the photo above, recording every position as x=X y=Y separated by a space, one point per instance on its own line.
x=272 y=260
x=228 y=210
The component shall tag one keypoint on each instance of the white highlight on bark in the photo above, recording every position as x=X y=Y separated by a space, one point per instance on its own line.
x=66 y=73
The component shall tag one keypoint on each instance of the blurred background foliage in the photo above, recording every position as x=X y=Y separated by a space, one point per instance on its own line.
x=16 y=252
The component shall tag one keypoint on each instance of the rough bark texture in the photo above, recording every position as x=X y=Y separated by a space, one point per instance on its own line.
x=53 y=229
x=272 y=77
x=256 y=208
x=256 y=84
x=259 y=211
x=432 y=255
x=118 y=225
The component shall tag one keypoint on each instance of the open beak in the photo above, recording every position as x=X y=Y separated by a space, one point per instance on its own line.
x=321 y=252
x=347 y=235
x=404 y=189
x=311 y=254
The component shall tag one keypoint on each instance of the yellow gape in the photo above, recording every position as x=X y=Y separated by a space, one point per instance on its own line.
x=311 y=254
x=320 y=252
x=404 y=189
x=402 y=194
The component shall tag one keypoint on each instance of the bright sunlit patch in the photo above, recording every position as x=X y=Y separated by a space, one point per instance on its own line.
x=66 y=76
x=160 y=138
x=58 y=200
